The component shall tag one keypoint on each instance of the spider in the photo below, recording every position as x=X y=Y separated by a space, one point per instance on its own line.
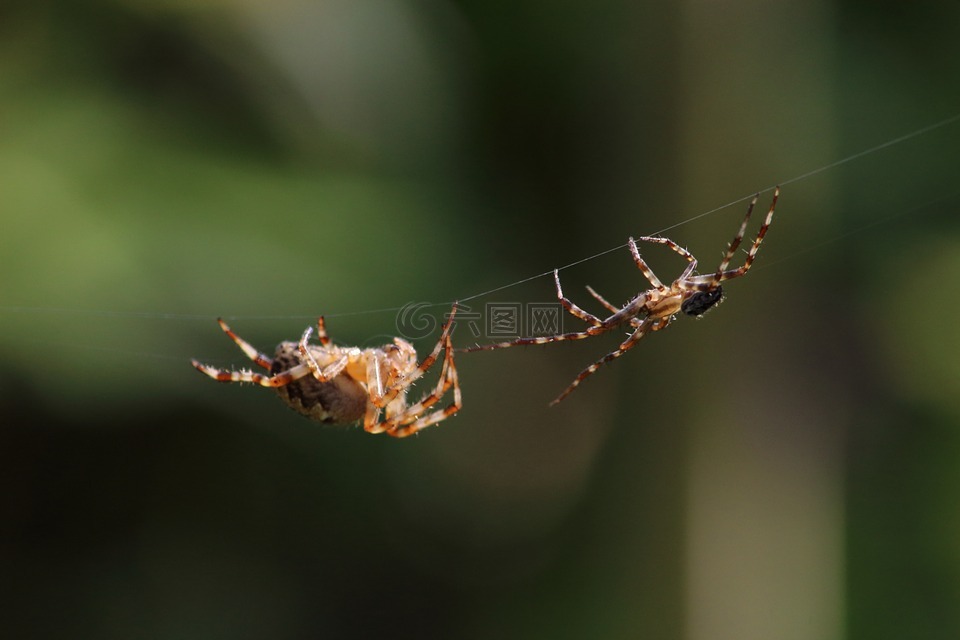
x=342 y=385
x=656 y=308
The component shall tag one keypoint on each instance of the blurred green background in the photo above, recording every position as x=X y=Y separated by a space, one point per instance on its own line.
x=785 y=468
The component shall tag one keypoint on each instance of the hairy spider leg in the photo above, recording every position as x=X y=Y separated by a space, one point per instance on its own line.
x=603 y=301
x=737 y=239
x=627 y=314
x=574 y=335
x=645 y=326
x=692 y=262
x=722 y=272
x=322 y=374
x=278 y=380
x=620 y=315
x=644 y=267
x=410 y=421
x=222 y=375
x=647 y=273
x=570 y=306
x=395 y=387
x=261 y=359
x=322 y=336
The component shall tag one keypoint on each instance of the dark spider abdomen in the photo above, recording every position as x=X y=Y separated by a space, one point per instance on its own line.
x=701 y=302
x=342 y=400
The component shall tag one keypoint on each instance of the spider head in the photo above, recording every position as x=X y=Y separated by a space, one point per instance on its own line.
x=702 y=301
x=401 y=357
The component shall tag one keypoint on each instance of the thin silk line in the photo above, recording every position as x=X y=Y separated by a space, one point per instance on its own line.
x=181 y=316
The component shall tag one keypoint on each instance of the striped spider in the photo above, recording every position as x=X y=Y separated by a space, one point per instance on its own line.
x=341 y=385
x=656 y=308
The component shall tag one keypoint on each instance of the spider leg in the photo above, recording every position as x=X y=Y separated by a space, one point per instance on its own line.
x=411 y=420
x=597 y=327
x=441 y=344
x=261 y=359
x=395 y=387
x=572 y=308
x=633 y=321
x=278 y=380
x=641 y=330
x=328 y=372
x=691 y=267
x=627 y=314
x=722 y=272
x=698 y=283
x=602 y=300
x=576 y=335
x=642 y=265
x=322 y=336
x=737 y=239
x=371 y=418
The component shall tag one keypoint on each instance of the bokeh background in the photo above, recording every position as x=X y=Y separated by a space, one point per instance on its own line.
x=788 y=467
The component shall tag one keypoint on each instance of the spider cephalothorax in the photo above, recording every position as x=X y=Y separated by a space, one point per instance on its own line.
x=655 y=308
x=342 y=385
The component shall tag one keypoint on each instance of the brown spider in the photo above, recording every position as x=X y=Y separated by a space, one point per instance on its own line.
x=341 y=385
x=654 y=309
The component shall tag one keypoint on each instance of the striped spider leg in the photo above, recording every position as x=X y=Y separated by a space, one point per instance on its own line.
x=342 y=385
x=655 y=308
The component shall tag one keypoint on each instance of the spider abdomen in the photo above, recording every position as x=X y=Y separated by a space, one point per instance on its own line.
x=341 y=400
x=702 y=301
